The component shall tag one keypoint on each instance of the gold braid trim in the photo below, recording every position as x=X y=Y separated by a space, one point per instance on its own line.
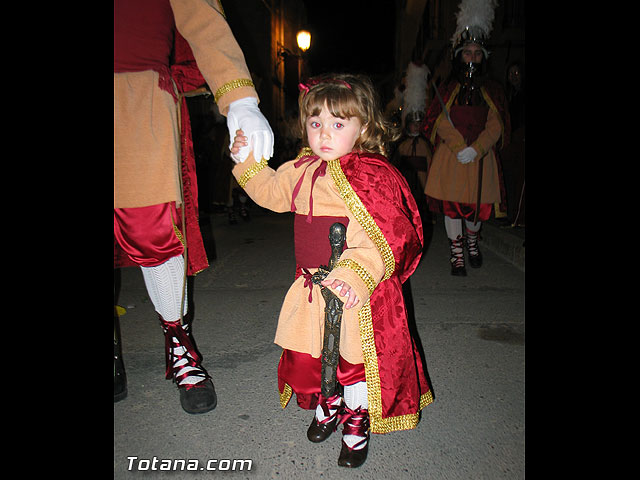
x=252 y=171
x=357 y=208
x=372 y=376
x=285 y=395
x=364 y=275
x=232 y=85
x=305 y=152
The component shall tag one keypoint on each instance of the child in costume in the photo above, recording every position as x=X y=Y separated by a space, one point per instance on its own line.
x=343 y=176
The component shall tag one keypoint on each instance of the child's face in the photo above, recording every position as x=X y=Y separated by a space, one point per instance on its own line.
x=332 y=137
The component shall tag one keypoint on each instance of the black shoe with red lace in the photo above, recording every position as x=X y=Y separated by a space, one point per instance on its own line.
x=320 y=430
x=184 y=366
x=356 y=422
x=457 y=257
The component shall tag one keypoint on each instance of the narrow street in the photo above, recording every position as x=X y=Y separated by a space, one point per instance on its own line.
x=471 y=329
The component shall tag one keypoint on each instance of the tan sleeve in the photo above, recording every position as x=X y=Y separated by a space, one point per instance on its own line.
x=215 y=49
x=269 y=188
x=451 y=137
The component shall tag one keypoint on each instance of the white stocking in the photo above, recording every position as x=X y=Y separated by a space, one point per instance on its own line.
x=453 y=227
x=355 y=396
x=165 y=283
x=472 y=227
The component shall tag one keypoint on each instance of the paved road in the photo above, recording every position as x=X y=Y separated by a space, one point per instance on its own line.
x=471 y=329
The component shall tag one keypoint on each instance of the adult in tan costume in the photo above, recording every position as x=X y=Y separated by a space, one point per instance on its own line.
x=149 y=161
x=465 y=125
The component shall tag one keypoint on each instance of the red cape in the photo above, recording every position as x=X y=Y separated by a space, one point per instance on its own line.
x=380 y=199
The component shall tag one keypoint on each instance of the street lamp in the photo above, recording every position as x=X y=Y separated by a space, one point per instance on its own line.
x=304 y=40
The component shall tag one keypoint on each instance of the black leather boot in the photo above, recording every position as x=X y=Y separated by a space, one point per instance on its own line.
x=457 y=257
x=181 y=353
x=475 y=256
x=119 y=375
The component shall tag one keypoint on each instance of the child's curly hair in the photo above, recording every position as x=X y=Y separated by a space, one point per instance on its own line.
x=347 y=96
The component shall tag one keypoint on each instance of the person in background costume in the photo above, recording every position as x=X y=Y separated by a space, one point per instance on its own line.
x=164 y=49
x=343 y=176
x=465 y=125
x=413 y=152
x=513 y=157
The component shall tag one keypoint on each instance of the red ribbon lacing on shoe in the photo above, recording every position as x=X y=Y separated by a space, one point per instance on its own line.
x=472 y=243
x=176 y=336
x=457 y=252
x=356 y=423
x=329 y=403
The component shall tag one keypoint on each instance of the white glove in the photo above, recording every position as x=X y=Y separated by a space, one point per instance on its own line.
x=245 y=115
x=467 y=155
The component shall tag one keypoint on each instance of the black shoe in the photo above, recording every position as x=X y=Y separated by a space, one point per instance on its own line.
x=356 y=422
x=475 y=261
x=475 y=256
x=319 y=432
x=458 y=271
x=457 y=257
x=199 y=398
x=194 y=398
x=352 y=458
x=119 y=379
x=119 y=375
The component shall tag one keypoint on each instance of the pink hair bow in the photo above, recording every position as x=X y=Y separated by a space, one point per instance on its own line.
x=305 y=87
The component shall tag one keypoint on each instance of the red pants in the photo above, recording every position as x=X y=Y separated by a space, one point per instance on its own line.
x=302 y=373
x=148 y=234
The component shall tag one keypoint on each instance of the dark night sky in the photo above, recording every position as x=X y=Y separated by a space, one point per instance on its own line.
x=351 y=35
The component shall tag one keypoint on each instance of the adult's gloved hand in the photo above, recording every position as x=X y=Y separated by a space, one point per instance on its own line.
x=245 y=115
x=467 y=155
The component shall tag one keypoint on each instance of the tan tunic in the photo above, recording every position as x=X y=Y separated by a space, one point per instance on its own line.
x=301 y=324
x=451 y=180
x=146 y=137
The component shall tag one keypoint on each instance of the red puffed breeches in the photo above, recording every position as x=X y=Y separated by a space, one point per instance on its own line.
x=148 y=234
x=302 y=373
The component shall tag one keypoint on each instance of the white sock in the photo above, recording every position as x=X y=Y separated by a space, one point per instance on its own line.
x=472 y=227
x=165 y=283
x=355 y=396
x=453 y=227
